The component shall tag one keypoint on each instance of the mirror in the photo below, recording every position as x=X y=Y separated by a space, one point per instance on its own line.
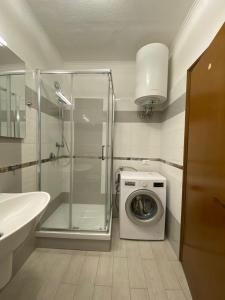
x=12 y=95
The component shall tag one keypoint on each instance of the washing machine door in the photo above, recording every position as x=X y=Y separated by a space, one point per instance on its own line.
x=144 y=207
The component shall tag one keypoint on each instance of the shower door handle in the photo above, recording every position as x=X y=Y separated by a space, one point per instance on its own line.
x=103 y=157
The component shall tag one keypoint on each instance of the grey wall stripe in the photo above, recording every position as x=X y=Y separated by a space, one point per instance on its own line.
x=28 y=164
x=47 y=106
x=168 y=112
x=177 y=107
x=35 y=162
x=135 y=158
x=137 y=117
x=175 y=165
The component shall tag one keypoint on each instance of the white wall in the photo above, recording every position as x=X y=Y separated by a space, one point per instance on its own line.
x=197 y=32
x=201 y=25
x=25 y=36
x=27 y=39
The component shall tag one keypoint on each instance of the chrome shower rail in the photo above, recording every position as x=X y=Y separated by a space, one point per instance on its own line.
x=83 y=72
x=78 y=72
x=14 y=72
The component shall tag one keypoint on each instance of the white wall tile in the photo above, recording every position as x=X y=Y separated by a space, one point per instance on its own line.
x=172 y=139
x=174 y=178
x=137 y=139
x=29 y=179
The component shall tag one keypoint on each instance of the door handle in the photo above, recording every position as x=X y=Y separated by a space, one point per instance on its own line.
x=103 y=157
x=219 y=201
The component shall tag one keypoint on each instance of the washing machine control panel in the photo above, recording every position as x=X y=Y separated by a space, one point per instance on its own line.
x=144 y=184
x=130 y=183
x=158 y=184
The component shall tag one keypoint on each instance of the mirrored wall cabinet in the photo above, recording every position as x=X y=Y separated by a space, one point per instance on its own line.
x=12 y=95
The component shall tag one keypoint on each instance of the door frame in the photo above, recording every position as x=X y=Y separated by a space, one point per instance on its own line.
x=185 y=154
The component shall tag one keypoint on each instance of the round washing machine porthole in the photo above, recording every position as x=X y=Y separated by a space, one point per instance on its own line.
x=144 y=207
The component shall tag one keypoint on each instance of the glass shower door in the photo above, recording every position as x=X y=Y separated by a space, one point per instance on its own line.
x=90 y=158
x=55 y=145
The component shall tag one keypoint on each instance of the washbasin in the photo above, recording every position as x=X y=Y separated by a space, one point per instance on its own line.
x=19 y=214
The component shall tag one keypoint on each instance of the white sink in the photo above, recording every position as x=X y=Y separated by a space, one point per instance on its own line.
x=19 y=214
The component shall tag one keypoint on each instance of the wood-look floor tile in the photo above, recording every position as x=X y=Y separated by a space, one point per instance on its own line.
x=62 y=263
x=127 y=272
x=84 y=291
x=104 y=271
x=168 y=275
x=102 y=293
x=136 y=273
x=120 y=272
x=72 y=273
x=159 y=250
x=132 y=249
x=21 y=288
x=30 y=290
x=139 y=294
x=89 y=270
x=175 y=295
x=145 y=249
x=119 y=248
x=65 y=291
x=41 y=267
x=171 y=255
x=152 y=276
x=177 y=267
x=160 y=295
x=48 y=290
x=120 y=293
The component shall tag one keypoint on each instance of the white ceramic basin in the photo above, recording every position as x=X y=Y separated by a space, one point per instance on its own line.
x=19 y=214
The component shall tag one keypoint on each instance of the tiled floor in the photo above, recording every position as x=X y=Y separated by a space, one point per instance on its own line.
x=132 y=270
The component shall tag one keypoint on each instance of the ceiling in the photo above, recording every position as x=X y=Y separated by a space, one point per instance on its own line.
x=108 y=29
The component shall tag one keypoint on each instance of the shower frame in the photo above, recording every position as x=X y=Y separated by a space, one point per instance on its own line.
x=73 y=233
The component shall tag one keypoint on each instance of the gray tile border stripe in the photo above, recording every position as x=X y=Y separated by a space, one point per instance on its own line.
x=138 y=116
x=135 y=158
x=47 y=106
x=15 y=167
x=172 y=164
x=164 y=114
x=175 y=108
x=35 y=162
x=175 y=165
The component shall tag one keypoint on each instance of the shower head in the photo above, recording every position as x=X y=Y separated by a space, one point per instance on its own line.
x=60 y=95
x=63 y=98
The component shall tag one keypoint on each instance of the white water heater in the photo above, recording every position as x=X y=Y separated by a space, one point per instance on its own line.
x=151 y=75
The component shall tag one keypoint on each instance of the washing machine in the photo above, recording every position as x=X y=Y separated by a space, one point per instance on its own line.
x=142 y=207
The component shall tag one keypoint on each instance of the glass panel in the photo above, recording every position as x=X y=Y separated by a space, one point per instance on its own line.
x=55 y=150
x=76 y=151
x=109 y=154
x=90 y=151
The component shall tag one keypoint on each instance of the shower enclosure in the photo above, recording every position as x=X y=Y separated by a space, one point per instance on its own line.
x=75 y=153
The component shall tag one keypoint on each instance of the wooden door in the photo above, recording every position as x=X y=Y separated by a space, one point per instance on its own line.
x=203 y=215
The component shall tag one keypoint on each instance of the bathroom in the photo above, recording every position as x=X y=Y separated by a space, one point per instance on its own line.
x=71 y=133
